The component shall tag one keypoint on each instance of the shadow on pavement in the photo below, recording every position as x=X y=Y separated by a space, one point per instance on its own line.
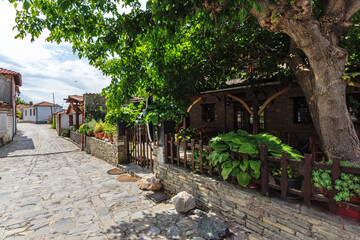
x=20 y=142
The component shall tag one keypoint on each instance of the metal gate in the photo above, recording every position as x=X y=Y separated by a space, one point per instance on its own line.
x=140 y=148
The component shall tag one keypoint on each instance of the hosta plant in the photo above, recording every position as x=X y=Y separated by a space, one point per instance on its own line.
x=228 y=150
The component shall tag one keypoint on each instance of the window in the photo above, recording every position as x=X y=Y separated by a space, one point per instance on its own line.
x=30 y=112
x=208 y=112
x=25 y=112
x=301 y=111
x=34 y=112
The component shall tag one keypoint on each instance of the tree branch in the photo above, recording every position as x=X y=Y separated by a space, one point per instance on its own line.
x=352 y=7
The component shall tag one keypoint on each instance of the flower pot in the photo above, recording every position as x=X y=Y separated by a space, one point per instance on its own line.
x=292 y=183
x=252 y=185
x=111 y=138
x=100 y=135
x=344 y=210
x=120 y=128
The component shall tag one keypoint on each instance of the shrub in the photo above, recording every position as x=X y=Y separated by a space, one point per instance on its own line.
x=18 y=114
x=84 y=128
x=65 y=133
x=89 y=132
x=92 y=124
x=109 y=129
x=100 y=127
x=72 y=128
x=53 y=125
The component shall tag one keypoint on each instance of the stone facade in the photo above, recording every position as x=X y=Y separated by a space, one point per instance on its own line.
x=76 y=137
x=269 y=216
x=104 y=150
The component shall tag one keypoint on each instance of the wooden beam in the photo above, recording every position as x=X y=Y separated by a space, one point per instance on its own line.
x=271 y=98
x=196 y=101
x=242 y=102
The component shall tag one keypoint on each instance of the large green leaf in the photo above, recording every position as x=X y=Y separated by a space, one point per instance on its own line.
x=244 y=165
x=243 y=178
x=225 y=172
x=255 y=165
x=248 y=148
x=236 y=163
x=254 y=174
x=235 y=171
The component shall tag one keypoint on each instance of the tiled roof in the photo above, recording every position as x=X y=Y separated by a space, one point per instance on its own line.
x=136 y=99
x=60 y=112
x=9 y=72
x=21 y=106
x=46 y=104
x=75 y=97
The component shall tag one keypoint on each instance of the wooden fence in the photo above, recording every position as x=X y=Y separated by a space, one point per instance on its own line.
x=174 y=150
x=139 y=146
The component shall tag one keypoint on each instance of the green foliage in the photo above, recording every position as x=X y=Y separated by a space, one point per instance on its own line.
x=72 y=128
x=89 y=132
x=100 y=127
x=109 y=129
x=162 y=112
x=348 y=185
x=239 y=143
x=53 y=125
x=18 y=114
x=186 y=134
x=20 y=101
x=292 y=171
x=92 y=124
x=95 y=107
x=205 y=154
x=84 y=128
x=65 y=133
x=130 y=114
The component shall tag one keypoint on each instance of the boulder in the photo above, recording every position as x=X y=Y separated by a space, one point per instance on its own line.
x=211 y=229
x=183 y=202
x=149 y=183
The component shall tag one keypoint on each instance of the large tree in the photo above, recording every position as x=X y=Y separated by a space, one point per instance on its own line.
x=176 y=44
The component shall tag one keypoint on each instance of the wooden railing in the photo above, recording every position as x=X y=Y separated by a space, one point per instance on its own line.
x=182 y=154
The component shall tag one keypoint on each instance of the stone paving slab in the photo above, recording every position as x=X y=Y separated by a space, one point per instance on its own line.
x=49 y=189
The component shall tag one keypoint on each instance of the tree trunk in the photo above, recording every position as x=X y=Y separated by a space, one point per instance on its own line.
x=325 y=91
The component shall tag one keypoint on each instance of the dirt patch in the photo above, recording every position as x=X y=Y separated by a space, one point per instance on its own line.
x=127 y=178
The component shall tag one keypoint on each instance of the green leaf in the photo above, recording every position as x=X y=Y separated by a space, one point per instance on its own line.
x=248 y=148
x=225 y=172
x=255 y=174
x=255 y=165
x=243 y=178
x=236 y=163
x=244 y=165
x=26 y=5
x=235 y=171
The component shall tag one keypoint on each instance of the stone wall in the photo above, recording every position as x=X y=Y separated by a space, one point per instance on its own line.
x=76 y=137
x=104 y=150
x=269 y=216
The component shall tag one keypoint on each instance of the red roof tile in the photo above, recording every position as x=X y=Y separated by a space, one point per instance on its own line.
x=9 y=72
x=21 y=106
x=60 y=112
x=76 y=98
x=46 y=104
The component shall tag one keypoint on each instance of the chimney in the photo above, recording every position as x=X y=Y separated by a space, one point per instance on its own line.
x=30 y=103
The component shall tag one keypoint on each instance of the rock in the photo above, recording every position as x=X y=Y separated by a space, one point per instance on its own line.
x=198 y=212
x=183 y=202
x=150 y=183
x=211 y=229
x=173 y=232
x=153 y=231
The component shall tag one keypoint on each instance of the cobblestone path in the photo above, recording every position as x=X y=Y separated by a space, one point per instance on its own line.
x=51 y=190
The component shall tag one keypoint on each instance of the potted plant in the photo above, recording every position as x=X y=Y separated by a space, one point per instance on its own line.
x=72 y=128
x=348 y=186
x=294 y=178
x=99 y=129
x=65 y=133
x=110 y=130
x=84 y=128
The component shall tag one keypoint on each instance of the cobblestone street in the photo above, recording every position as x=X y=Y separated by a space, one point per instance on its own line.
x=52 y=190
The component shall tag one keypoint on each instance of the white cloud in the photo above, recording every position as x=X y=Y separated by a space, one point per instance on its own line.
x=46 y=68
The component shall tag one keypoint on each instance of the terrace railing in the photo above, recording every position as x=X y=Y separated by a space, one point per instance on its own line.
x=183 y=154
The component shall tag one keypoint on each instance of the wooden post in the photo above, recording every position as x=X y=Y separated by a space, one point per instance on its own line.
x=185 y=157
x=178 y=152
x=255 y=115
x=335 y=173
x=264 y=170
x=306 y=184
x=166 y=148
x=192 y=154
x=172 y=149
x=284 y=180
x=201 y=155
x=210 y=166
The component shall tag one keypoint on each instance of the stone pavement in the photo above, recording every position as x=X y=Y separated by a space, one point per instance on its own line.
x=51 y=190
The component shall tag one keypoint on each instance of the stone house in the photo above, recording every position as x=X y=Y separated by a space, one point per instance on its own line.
x=37 y=113
x=10 y=82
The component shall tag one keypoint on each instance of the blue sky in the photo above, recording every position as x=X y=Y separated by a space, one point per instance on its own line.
x=46 y=68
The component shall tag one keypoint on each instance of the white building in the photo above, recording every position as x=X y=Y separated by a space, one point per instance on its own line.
x=10 y=82
x=37 y=113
